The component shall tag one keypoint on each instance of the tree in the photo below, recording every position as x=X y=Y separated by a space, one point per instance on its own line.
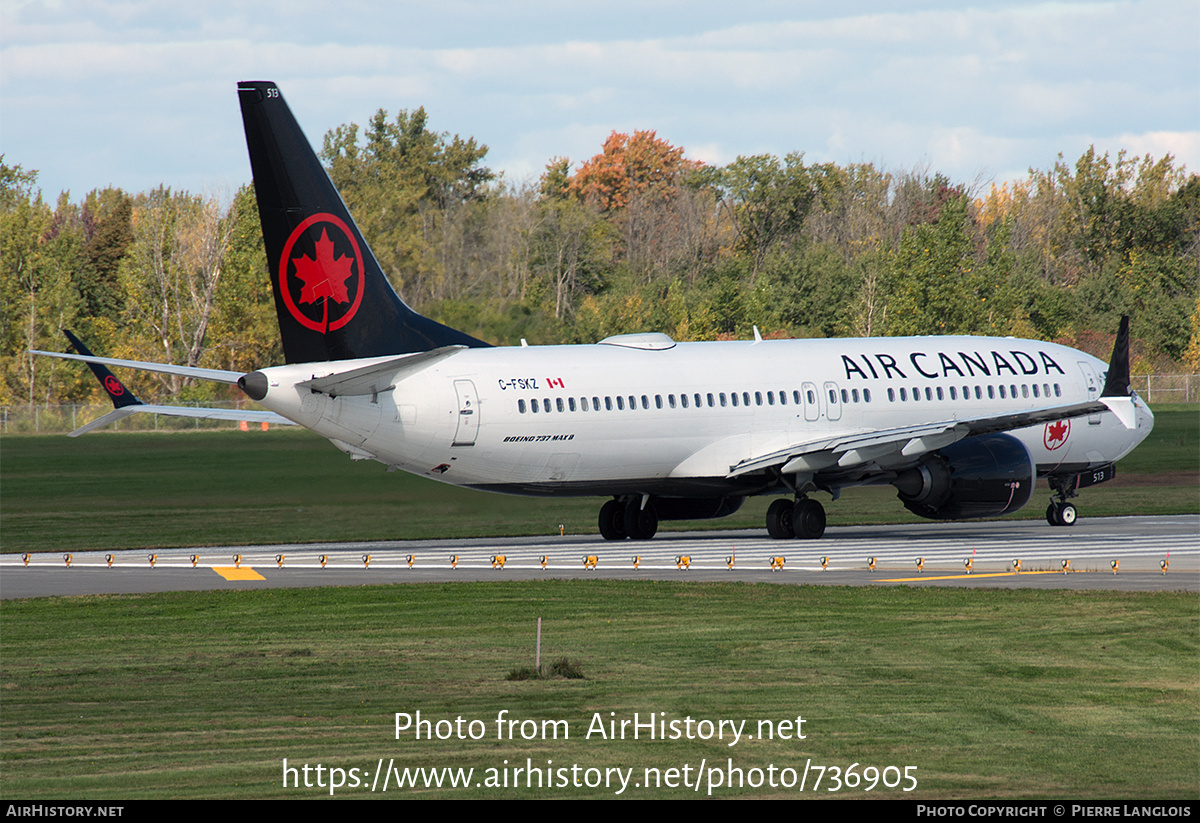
x=768 y=200
x=400 y=184
x=39 y=250
x=629 y=165
x=170 y=276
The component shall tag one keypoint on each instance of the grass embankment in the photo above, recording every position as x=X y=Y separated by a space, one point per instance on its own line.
x=988 y=693
x=129 y=490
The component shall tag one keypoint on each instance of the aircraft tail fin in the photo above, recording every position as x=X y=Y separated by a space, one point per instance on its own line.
x=332 y=298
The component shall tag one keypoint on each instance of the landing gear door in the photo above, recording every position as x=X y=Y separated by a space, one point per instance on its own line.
x=468 y=413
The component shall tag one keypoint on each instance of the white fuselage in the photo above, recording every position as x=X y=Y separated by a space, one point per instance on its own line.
x=642 y=415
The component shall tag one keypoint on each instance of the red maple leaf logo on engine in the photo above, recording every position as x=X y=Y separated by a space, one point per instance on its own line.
x=324 y=275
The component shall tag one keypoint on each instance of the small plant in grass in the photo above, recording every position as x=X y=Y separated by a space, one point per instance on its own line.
x=563 y=667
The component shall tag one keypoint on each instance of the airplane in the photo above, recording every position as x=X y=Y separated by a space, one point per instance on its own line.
x=961 y=426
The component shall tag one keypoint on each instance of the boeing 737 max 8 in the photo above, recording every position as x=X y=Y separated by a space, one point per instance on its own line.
x=961 y=426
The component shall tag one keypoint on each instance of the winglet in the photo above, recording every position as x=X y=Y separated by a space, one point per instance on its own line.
x=117 y=393
x=1118 y=394
x=1117 y=383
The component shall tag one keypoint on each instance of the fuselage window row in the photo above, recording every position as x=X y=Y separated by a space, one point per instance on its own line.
x=720 y=399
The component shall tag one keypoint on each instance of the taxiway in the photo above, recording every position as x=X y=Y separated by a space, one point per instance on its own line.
x=924 y=554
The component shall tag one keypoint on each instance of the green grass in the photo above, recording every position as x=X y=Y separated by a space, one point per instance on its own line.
x=149 y=490
x=988 y=693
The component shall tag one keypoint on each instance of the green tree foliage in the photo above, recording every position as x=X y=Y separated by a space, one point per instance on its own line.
x=40 y=247
x=638 y=239
x=402 y=184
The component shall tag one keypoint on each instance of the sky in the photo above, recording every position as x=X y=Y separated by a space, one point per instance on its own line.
x=138 y=93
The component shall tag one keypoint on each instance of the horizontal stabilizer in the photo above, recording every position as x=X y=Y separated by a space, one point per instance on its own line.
x=215 y=375
x=248 y=415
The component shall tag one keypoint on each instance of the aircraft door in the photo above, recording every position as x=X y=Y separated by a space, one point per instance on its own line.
x=468 y=413
x=1093 y=389
x=812 y=401
x=833 y=406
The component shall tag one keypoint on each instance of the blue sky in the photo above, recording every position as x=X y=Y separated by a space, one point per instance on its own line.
x=142 y=92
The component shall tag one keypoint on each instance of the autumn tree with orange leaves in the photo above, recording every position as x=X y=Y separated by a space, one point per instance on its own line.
x=627 y=166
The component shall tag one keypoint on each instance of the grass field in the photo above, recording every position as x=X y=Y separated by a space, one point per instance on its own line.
x=988 y=693
x=149 y=490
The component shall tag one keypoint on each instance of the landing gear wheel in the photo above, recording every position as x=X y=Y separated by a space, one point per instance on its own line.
x=612 y=521
x=1061 y=514
x=640 y=523
x=779 y=520
x=808 y=519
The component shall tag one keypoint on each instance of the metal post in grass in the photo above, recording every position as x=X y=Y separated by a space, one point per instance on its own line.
x=537 y=654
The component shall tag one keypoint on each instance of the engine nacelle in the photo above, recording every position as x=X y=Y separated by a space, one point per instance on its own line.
x=983 y=476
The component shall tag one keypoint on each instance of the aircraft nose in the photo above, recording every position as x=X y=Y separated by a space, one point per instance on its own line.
x=254 y=385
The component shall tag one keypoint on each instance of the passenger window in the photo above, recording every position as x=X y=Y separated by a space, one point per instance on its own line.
x=608 y=403
x=710 y=400
x=683 y=401
x=866 y=395
x=891 y=395
x=903 y=394
x=646 y=402
x=953 y=393
x=546 y=405
x=521 y=406
x=722 y=396
x=620 y=403
x=558 y=402
x=583 y=402
x=734 y=397
x=571 y=403
x=845 y=398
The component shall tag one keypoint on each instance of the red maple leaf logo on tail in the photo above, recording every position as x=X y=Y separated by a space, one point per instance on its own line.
x=324 y=275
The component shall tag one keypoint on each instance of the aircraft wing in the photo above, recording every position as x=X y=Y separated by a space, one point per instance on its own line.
x=853 y=449
x=846 y=451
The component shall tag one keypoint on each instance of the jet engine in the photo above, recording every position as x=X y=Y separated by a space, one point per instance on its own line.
x=983 y=476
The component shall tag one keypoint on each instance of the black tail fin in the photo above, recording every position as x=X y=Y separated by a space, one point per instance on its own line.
x=331 y=296
x=117 y=393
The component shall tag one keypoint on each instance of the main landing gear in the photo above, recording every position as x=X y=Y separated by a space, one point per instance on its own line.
x=804 y=518
x=628 y=518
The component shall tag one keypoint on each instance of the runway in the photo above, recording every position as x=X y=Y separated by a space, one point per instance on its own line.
x=1138 y=545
